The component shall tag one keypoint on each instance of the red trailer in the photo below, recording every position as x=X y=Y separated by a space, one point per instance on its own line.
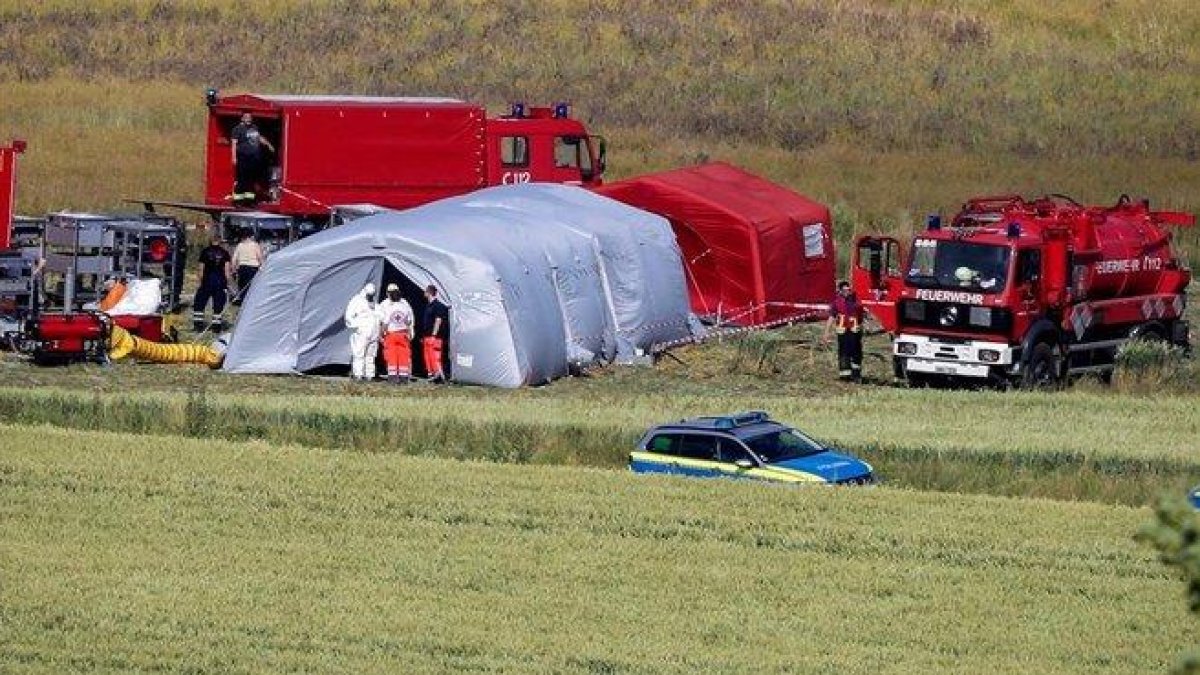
x=393 y=152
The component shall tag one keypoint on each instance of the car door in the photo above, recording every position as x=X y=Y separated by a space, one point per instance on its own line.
x=729 y=453
x=875 y=276
x=658 y=456
x=696 y=455
x=682 y=453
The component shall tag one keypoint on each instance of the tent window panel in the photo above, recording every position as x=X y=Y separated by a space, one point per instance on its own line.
x=514 y=151
x=814 y=240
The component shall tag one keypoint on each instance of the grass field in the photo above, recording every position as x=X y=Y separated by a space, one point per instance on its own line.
x=246 y=524
x=1078 y=445
x=139 y=552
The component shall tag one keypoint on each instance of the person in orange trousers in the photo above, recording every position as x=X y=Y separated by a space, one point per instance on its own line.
x=435 y=325
x=396 y=315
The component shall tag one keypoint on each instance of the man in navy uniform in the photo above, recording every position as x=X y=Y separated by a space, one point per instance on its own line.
x=216 y=270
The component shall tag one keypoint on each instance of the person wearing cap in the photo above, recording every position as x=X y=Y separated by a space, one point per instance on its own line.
x=435 y=327
x=396 y=316
x=363 y=321
x=846 y=319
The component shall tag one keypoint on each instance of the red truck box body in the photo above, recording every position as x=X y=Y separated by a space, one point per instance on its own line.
x=393 y=152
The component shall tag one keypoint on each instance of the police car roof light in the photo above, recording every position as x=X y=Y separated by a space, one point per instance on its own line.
x=751 y=417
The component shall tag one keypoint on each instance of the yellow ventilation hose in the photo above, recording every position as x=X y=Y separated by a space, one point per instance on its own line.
x=125 y=345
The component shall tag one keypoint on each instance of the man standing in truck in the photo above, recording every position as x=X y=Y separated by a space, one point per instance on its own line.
x=846 y=319
x=249 y=160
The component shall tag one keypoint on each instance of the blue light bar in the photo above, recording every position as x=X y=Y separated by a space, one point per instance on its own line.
x=561 y=110
x=518 y=110
x=933 y=222
x=1014 y=230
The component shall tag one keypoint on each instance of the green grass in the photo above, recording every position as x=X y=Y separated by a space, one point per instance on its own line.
x=135 y=552
x=1081 y=445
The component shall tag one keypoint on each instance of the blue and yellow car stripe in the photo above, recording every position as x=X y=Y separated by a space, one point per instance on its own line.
x=705 y=468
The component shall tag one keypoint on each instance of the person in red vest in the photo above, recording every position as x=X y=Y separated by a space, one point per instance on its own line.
x=846 y=319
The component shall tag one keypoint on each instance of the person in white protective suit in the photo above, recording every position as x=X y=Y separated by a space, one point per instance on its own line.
x=363 y=322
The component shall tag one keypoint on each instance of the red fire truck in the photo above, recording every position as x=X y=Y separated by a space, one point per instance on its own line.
x=392 y=152
x=1025 y=292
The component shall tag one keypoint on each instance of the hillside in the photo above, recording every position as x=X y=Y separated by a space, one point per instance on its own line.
x=886 y=110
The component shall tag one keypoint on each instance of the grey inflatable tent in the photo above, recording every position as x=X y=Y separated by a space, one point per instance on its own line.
x=538 y=277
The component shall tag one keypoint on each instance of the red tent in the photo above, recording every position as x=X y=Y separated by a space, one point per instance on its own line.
x=752 y=249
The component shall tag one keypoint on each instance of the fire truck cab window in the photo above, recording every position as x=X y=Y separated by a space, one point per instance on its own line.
x=958 y=265
x=571 y=152
x=514 y=151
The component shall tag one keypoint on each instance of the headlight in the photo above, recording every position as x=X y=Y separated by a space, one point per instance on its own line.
x=981 y=316
x=989 y=355
x=906 y=348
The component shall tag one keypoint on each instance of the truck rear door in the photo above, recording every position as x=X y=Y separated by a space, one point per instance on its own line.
x=876 y=277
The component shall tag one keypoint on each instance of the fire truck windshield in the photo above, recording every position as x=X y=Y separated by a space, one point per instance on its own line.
x=958 y=265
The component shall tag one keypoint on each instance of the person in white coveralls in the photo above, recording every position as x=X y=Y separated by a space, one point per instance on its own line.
x=363 y=322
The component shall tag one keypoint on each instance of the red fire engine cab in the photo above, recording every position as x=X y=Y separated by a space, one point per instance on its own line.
x=1025 y=292
x=391 y=152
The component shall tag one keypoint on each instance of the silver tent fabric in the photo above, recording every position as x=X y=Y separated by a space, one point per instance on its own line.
x=539 y=278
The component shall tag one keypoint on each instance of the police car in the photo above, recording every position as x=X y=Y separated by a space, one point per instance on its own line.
x=744 y=445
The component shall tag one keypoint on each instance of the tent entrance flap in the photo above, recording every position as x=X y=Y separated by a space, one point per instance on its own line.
x=323 y=337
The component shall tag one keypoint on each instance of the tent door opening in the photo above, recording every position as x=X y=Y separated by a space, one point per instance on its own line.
x=414 y=293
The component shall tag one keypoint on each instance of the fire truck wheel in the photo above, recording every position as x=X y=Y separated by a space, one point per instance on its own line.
x=1044 y=368
x=1150 y=332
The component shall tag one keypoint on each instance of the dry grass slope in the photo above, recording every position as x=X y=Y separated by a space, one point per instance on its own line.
x=886 y=110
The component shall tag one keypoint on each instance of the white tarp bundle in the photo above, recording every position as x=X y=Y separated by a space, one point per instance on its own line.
x=538 y=278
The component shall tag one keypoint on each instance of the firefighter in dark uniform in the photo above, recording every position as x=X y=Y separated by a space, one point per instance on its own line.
x=216 y=269
x=846 y=319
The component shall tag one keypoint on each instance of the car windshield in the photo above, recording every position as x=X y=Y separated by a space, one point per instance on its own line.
x=958 y=265
x=780 y=446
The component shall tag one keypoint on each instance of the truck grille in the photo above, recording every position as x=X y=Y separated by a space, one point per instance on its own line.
x=954 y=316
